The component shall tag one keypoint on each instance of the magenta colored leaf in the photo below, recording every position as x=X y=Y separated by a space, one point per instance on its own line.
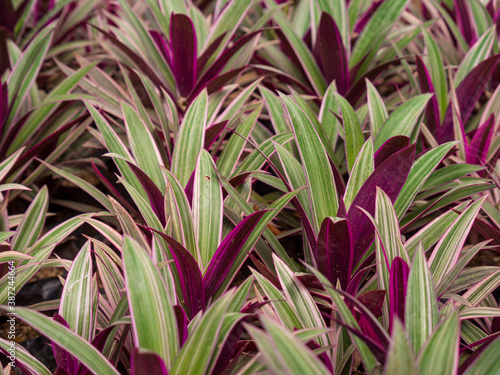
x=265 y=271
x=339 y=181
x=64 y=359
x=464 y=21
x=155 y=196
x=426 y=86
x=4 y=105
x=334 y=251
x=220 y=81
x=182 y=324
x=190 y=188
x=41 y=9
x=209 y=51
x=99 y=341
x=390 y=147
x=147 y=363
x=487 y=231
x=212 y=133
x=390 y=176
x=184 y=49
x=61 y=371
x=342 y=211
x=162 y=45
x=480 y=144
x=219 y=64
x=227 y=252
x=365 y=18
x=331 y=54
x=190 y=276
x=398 y=282
x=468 y=93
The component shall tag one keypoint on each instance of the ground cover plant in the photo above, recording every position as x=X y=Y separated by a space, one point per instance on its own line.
x=250 y=187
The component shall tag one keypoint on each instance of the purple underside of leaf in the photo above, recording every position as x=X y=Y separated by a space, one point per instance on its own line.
x=398 y=282
x=182 y=324
x=188 y=190
x=213 y=132
x=367 y=16
x=313 y=345
x=221 y=62
x=155 y=196
x=190 y=276
x=358 y=276
x=334 y=251
x=41 y=8
x=209 y=51
x=98 y=342
x=487 y=231
x=373 y=301
x=227 y=252
x=142 y=65
x=468 y=93
x=339 y=181
x=330 y=53
x=228 y=351
x=480 y=143
x=287 y=48
x=426 y=86
x=390 y=147
x=476 y=353
x=265 y=271
x=221 y=80
x=358 y=88
x=147 y=363
x=184 y=49
x=464 y=13
x=390 y=176
x=162 y=45
x=64 y=359
x=4 y=105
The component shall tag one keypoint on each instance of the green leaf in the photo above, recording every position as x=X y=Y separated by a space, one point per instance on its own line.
x=376 y=109
x=440 y=353
x=403 y=120
x=318 y=172
x=400 y=358
x=26 y=358
x=190 y=139
x=70 y=341
x=32 y=223
x=436 y=66
x=447 y=251
x=194 y=358
x=353 y=133
x=207 y=208
x=421 y=312
x=362 y=169
x=77 y=304
x=488 y=362
x=153 y=317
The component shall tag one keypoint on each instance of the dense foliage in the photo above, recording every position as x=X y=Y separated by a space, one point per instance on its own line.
x=268 y=187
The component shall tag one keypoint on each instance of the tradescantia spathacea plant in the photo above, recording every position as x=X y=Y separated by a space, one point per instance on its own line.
x=283 y=188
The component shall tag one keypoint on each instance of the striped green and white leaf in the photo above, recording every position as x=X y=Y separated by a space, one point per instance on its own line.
x=27 y=359
x=488 y=362
x=362 y=169
x=318 y=172
x=190 y=139
x=287 y=354
x=84 y=351
x=207 y=208
x=440 y=353
x=400 y=358
x=194 y=357
x=403 y=120
x=447 y=252
x=31 y=225
x=376 y=109
x=421 y=311
x=78 y=306
x=327 y=115
x=301 y=300
x=153 y=317
x=436 y=68
x=353 y=134
x=482 y=290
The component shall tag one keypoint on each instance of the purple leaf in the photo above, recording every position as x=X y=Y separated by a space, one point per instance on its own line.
x=331 y=54
x=487 y=231
x=213 y=132
x=480 y=143
x=390 y=176
x=468 y=93
x=4 y=105
x=209 y=51
x=42 y=7
x=227 y=252
x=373 y=301
x=61 y=371
x=162 y=45
x=98 y=342
x=464 y=21
x=390 y=147
x=265 y=271
x=432 y=111
x=334 y=252
x=189 y=188
x=155 y=196
x=64 y=359
x=190 y=276
x=339 y=181
x=220 y=81
x=219 y=64
x=182 y=324
x=398 y=282
x=476 y=353
x=147 y=363
x=184 y=49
